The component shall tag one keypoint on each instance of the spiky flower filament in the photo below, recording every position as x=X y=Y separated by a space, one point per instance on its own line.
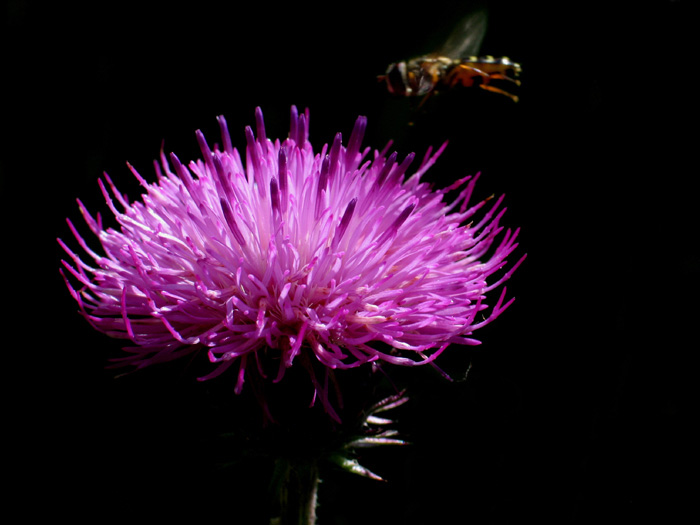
x=340 y=254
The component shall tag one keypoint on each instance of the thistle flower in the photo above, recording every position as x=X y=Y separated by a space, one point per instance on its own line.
x=341 y=257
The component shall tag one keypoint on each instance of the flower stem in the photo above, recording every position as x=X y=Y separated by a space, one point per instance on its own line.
x=297 y=488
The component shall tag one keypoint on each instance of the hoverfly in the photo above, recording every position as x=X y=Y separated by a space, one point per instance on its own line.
x=455 y=63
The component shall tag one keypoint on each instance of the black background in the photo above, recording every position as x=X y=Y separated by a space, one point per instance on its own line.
x=578 y=403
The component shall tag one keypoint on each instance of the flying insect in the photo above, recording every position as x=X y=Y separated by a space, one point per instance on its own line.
x=457 y=62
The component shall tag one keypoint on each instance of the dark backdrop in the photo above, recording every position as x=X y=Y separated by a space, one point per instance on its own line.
x=577 y=406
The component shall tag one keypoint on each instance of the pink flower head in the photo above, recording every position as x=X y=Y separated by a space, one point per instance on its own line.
x=343 y=256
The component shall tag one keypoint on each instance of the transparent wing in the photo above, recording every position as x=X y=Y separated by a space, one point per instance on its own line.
x=466 y=38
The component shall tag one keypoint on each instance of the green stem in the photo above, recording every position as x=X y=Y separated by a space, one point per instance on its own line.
x=297 y=489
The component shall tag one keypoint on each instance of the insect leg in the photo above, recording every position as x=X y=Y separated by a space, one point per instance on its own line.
x=494 y=89
x=465 y=75
x=468 y=75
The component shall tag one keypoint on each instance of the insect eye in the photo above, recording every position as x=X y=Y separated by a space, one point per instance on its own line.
x=396 y=78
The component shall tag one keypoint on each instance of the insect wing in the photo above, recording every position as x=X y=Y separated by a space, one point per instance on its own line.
x=466 y=38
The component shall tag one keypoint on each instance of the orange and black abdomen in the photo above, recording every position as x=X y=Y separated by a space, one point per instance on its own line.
x=481 y=71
